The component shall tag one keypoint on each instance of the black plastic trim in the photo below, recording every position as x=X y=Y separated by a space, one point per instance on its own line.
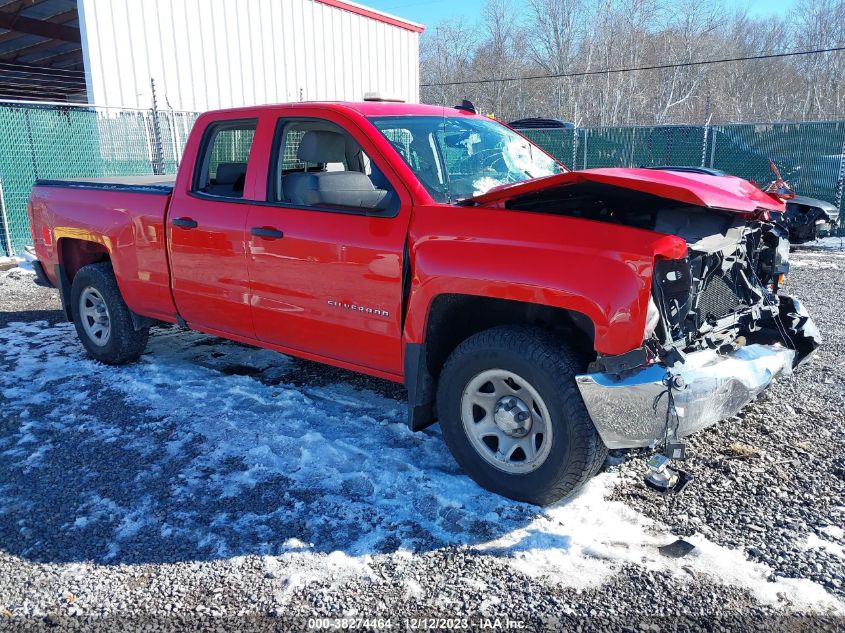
x=64 y=290
x=421 y=387
x=140 y=322
x=158 y=190
x=41 y=278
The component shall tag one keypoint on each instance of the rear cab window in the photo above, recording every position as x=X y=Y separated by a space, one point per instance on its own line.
x=221 y=168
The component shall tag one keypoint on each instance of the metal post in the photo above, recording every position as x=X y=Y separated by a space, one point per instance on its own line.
x=704 y=141
x=840 y=183
x=31 y=144
x=4 y=218
x=706 y=130
x=586 y=133
x=633 y=145
x=158 y=152
x=713 y=149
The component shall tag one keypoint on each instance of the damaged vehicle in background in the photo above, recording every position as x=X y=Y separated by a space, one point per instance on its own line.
x=540 y=315
x=809 y=218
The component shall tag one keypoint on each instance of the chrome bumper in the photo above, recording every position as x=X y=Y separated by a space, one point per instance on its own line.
x=715 y=387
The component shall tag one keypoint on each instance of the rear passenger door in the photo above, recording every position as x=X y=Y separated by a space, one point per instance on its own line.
x=206 y=233
x=325 y=266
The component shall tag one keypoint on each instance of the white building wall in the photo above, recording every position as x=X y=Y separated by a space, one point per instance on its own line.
x=210 y=54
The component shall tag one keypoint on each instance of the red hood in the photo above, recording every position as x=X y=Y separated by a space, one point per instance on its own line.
x=717 y=192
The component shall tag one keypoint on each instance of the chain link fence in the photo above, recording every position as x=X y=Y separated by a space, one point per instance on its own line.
x=76 y=142
x=810 y=156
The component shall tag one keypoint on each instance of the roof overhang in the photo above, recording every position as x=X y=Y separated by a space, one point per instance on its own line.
x=374 y=14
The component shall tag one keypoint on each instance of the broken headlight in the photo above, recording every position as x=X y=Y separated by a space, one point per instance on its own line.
x=774 y=258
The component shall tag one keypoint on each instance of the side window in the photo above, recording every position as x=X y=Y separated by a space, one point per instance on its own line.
x=221 y=170
x=318 y=164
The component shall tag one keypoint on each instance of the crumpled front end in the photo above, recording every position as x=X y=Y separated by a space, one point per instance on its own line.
x=646 y=405
x=631 y=411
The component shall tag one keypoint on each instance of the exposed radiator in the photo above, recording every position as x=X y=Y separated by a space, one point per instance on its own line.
x=718 y=298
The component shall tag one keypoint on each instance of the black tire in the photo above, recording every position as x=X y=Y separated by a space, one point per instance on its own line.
x=545 y=362
x=124 y=343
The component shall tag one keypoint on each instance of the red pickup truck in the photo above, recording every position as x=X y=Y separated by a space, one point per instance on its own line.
x=541 y=315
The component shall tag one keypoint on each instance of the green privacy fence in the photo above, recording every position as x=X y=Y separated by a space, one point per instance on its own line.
x=78 y=142
x=810 y=156
x=83 y=141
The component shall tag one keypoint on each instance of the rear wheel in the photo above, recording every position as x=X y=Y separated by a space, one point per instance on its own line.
x=513 y=418
x=102 y=319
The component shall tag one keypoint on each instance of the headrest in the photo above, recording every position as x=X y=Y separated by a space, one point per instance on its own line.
x=228 y=173
x=319 y=146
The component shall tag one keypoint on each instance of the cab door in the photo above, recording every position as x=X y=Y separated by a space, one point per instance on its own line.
x=205 y=226
x=326 y=279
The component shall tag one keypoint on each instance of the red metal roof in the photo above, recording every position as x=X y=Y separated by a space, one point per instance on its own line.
x=374 y=15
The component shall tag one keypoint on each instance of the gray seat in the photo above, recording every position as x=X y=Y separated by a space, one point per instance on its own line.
x=228 y=181
x=328 y=188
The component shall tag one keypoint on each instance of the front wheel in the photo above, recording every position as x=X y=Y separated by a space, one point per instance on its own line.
x=102 y=318
x=513 y=417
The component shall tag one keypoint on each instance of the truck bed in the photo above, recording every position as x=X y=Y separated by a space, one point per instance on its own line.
x=78 y=220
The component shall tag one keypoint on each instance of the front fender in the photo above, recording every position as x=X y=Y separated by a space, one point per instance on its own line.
x=601 y=271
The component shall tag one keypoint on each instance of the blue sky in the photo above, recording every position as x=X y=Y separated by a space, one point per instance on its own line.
x=430 y=12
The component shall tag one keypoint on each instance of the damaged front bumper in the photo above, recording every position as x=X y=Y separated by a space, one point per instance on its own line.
x=630 y=409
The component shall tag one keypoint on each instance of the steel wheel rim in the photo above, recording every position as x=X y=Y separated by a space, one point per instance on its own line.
x=95 y=317
x=495 y=432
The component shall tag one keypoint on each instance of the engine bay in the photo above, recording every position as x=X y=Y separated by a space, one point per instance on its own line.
x=723 y=295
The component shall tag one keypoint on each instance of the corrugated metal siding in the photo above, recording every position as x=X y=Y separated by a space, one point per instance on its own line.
x=209 y=54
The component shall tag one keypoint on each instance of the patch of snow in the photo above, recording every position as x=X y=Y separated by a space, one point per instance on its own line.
x=828 y=243
x=816 y=265
x=413 y=589
x=23 y=264
x=814 y=542
x=834 y=531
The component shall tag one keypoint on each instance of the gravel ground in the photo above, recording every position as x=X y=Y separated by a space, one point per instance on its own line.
x=768 y=487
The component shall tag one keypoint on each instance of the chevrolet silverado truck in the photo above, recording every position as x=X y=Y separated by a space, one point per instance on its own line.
x=540 y=315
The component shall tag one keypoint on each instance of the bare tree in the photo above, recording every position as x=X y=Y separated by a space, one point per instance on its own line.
x=587 y=41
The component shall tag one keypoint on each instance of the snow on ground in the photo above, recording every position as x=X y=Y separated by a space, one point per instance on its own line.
x=817 y=256
x=831 y=243
x=22 y=265
x=216 y=451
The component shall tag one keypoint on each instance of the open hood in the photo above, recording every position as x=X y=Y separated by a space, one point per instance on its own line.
x=704 y=190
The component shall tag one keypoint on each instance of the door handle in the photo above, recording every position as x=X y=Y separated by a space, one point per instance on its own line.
x=266 y=232
x=185 y=223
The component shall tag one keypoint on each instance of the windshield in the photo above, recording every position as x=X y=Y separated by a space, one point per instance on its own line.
x=458 y=157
